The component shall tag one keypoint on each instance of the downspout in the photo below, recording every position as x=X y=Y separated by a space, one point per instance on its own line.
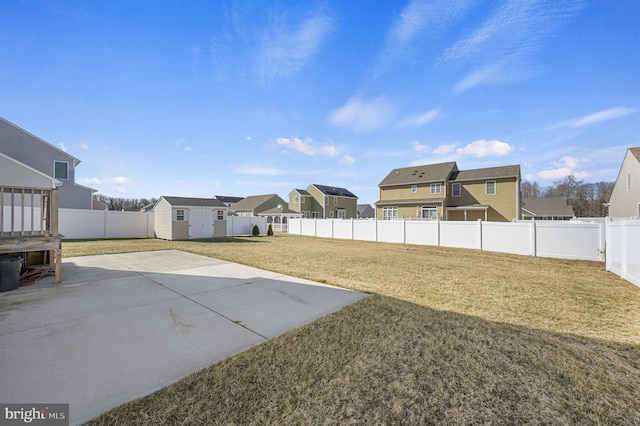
x=518 y=202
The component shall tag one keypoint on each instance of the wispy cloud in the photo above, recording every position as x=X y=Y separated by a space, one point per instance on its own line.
x=566 y=166
x=285 y=49
x=483 y=148
x=445 y=149
x=499 y=46
x=419 y=119
x=84 y=146
x=419 y=147
x=362 y=116
x=117 y=184
x=182 y=144
x=347 y=159
x=308 y=147
x=595 y=118
x=62 y=146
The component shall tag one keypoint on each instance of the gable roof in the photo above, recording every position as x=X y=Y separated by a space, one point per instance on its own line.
x=226 y=199
x=8 y=124
x=635 y=152
x=486 y=173
x=13 y=173
x=194 y=202
x=254 y=201
x=547 y=206
x=419 y=174
x=365 y=210
x=302 y=191
x=334 y=191
x=280 y=210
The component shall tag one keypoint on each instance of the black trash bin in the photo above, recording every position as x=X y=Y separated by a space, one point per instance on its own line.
x=10 y=267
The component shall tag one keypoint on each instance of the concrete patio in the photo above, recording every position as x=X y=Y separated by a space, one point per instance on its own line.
x=122 y=326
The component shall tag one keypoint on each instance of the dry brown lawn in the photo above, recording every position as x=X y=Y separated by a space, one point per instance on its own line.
x=449 y=336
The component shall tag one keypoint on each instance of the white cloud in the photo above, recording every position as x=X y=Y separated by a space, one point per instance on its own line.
x=483 y=148
x=248 y=138
x=418 y=147
x=62 y=146
x=595 y=118
x=362 y=116
x=182 y=143
x=285 y=50
x=84 y=146
x=445 y=149
x=565 y=167
x=348 y=159
x=308 y=147
x=420 y=119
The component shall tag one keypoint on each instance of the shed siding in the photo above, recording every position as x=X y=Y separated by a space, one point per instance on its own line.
x=163 y=220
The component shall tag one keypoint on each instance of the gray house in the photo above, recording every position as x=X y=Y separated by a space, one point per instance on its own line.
x=546 y=208
x=182 y=218
x=254 y=204
x=46 y=158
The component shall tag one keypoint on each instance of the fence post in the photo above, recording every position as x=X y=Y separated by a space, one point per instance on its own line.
x=404 y=231
x=623 y=249
x=438 y=224
x=105 y=223
x=352 y=225
x=480 y=234
x=534 y=242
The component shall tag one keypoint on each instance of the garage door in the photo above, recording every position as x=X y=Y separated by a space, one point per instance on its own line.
x=200 y=223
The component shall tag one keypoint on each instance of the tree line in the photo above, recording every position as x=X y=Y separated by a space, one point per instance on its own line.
x=127 y=204
x=587 y=199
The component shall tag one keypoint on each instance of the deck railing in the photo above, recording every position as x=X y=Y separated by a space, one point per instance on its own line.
x=28 y=212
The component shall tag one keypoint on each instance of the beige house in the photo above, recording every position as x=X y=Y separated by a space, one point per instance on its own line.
x=323 y=201
x=625 y=197
x=441 y=191
x=182 y=218
x=254 y=204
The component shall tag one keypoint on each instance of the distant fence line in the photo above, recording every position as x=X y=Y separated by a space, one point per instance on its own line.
x=81 y=224
x=566 y=240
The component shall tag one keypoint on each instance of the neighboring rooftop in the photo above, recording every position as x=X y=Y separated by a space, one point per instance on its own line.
x=195 y=202
x=335 y=191
x=419 y=174
x=547 y=207
x=486 y=173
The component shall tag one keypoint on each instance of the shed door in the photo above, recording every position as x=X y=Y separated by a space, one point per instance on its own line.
x=200 y=223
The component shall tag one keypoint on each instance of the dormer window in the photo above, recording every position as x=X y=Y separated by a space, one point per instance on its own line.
x=61 y=170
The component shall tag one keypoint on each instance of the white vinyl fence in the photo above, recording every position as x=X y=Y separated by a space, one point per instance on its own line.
x=78 y=224
x=561 y=239
x=623 y=249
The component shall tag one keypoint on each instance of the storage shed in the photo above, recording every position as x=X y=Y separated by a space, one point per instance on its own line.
x=183 y=218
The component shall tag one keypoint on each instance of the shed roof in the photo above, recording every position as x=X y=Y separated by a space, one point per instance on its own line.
x=419 y=174
x=547 y=206
x=228 y=199
x=194 y=202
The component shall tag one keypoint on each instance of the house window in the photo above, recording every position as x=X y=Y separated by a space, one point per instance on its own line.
x=61 y=170
x=302 y=199
x=342 y=214
x=335 y=201
x=436 y=188
x=315 y=215
x=220 y=214
x=491 y=187
x=389 y=213
x=331 y=213
x=179 y=214
x=629 y=181
x=296 y=199
x=326 y=200
x=456 y=190
x=429 y=212
x=414 y=189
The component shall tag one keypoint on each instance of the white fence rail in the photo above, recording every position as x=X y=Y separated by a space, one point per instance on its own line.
x=566 y=240
x=623 y=249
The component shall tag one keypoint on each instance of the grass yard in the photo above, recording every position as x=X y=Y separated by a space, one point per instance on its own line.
x=449 y=336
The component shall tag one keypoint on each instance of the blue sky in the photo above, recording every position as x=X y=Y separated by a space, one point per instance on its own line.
x=203 y=98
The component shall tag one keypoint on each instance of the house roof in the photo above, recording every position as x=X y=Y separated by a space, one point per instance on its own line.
x=365 y=210
x=547 y=206
x=486 y=173
x=254 y=201
x=194 y=202
x=635 y=152
x=334 y=191
x=302 y=191
x=13 y=173
x=226 y=199
x=419 y=174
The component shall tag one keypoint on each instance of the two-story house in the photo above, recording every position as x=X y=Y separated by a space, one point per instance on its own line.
x=254 y=204
x=324 y=201
x=46 y=158
x=441 y=191
x=625 y=197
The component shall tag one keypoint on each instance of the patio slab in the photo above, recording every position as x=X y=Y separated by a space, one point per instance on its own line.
x=122 y=326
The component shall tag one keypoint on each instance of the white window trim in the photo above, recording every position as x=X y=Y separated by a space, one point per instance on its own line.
x=386 y=215
x=331 y=213
x=220 y=214
x=54 y=169
x=436 y=188
x=183 y=215
x=453 y=192
x=430 y=209
x=628 y=181
x=335 y=201
x=326 y=200
x=296 y=199
x=414 y=189
x=486 y=187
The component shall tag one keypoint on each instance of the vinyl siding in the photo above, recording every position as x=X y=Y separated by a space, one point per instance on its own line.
x=624 y=203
